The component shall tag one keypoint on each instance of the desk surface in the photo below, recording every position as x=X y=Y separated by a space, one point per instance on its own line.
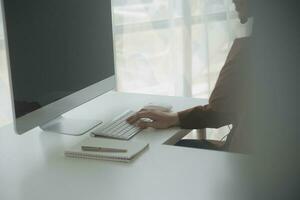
x=33 y=167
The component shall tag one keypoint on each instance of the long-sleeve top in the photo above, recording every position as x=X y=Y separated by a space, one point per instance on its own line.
x=224 y=102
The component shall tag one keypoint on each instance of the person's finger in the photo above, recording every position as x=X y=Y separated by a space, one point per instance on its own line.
x=139 y=115
x=132 y=119
x=145 y=114
x=147 y=124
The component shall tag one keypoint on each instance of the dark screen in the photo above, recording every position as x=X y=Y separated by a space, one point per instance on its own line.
x=56 y=48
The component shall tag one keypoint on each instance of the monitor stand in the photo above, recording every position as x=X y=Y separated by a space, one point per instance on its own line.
x=70 y=126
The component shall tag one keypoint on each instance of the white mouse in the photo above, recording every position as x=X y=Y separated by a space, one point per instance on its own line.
x=158 y=106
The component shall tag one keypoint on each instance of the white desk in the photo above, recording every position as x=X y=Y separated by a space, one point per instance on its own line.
x=33 y=167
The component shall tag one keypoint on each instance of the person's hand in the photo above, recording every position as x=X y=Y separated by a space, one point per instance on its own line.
x=154 y=118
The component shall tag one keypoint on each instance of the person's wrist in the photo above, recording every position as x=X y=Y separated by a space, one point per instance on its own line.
x=175 y=119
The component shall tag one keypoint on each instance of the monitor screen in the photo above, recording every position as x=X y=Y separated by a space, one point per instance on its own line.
x=56 y=48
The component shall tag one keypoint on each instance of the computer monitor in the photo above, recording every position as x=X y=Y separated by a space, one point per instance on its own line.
x=60 y=55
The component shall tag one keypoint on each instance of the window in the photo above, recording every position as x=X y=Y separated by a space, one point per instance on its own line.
x=172 y=47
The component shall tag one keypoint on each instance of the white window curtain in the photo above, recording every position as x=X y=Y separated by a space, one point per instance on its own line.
x=172 y=47
x=166 y=47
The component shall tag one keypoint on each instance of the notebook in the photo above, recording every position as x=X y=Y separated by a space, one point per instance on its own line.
x=133 y=149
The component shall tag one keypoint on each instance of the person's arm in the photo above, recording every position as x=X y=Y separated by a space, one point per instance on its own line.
x=225 y=98
x=203 y=117
x=220 y=111
x=193 y=118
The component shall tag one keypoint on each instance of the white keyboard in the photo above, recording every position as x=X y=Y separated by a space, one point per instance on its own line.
x=118 y=128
